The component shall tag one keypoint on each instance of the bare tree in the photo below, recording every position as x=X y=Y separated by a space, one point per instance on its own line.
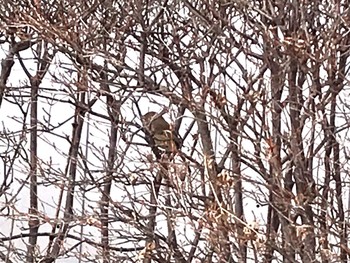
x=254 y=91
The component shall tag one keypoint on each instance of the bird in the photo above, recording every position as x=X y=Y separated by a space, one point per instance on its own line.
x=161 y=132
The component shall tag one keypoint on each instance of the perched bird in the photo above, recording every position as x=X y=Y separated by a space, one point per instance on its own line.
x=166 y=138
x=161 y=132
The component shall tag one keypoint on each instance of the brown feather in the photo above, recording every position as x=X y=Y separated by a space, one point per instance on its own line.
x=161 y=131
